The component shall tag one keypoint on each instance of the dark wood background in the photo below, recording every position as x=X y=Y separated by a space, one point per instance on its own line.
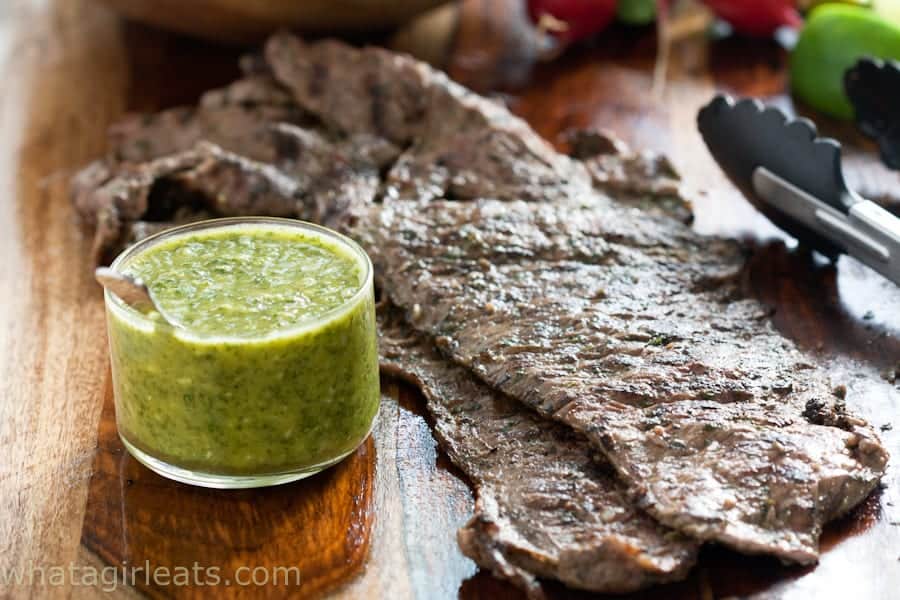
x=381 y=524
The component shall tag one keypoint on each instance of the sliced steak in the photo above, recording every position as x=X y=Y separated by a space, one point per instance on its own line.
x=111 y=199
x=113 y=194
x=235 y=117
x=458 y=143
x=642 y=179
x=545 y=508
x=205 y=180
x=629 y=329
x=447 y=141
x=141 y=138
x=306 y=176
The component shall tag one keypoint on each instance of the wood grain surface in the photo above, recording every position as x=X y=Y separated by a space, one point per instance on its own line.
x=382 y=524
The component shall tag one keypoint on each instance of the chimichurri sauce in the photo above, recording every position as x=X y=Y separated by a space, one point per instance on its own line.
x=248 y=283
x=275 y=369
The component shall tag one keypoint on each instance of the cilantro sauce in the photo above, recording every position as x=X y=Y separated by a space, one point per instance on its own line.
x=273 y=367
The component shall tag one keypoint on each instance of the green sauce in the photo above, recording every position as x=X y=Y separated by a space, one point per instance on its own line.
x=274 y=367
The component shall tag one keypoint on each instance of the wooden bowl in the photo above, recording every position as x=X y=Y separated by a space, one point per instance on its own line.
x=251 y=20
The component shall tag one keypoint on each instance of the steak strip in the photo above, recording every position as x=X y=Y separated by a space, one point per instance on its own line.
x=545 y=508
x=187 y=186
x=306 y=176
x=458 y=144
x=235 y=117
x=630 y=329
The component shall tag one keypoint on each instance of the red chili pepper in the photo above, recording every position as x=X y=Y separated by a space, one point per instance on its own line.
x=571 y=20
x=757 y=17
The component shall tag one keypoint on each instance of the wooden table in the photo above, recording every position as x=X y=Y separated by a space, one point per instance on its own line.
x=381 y=524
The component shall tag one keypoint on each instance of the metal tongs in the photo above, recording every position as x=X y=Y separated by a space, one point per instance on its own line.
x=795 y=178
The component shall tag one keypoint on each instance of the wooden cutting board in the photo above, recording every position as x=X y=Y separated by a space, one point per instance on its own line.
x=382 y=523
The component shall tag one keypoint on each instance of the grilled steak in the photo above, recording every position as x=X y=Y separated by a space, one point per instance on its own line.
x=305 y=175
x=189 y=185
x=234 y=117
x=369 y=124
x=628 y=328
x=545 y=506
x=458 y=144
x=642 y=179
x=533 y=272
